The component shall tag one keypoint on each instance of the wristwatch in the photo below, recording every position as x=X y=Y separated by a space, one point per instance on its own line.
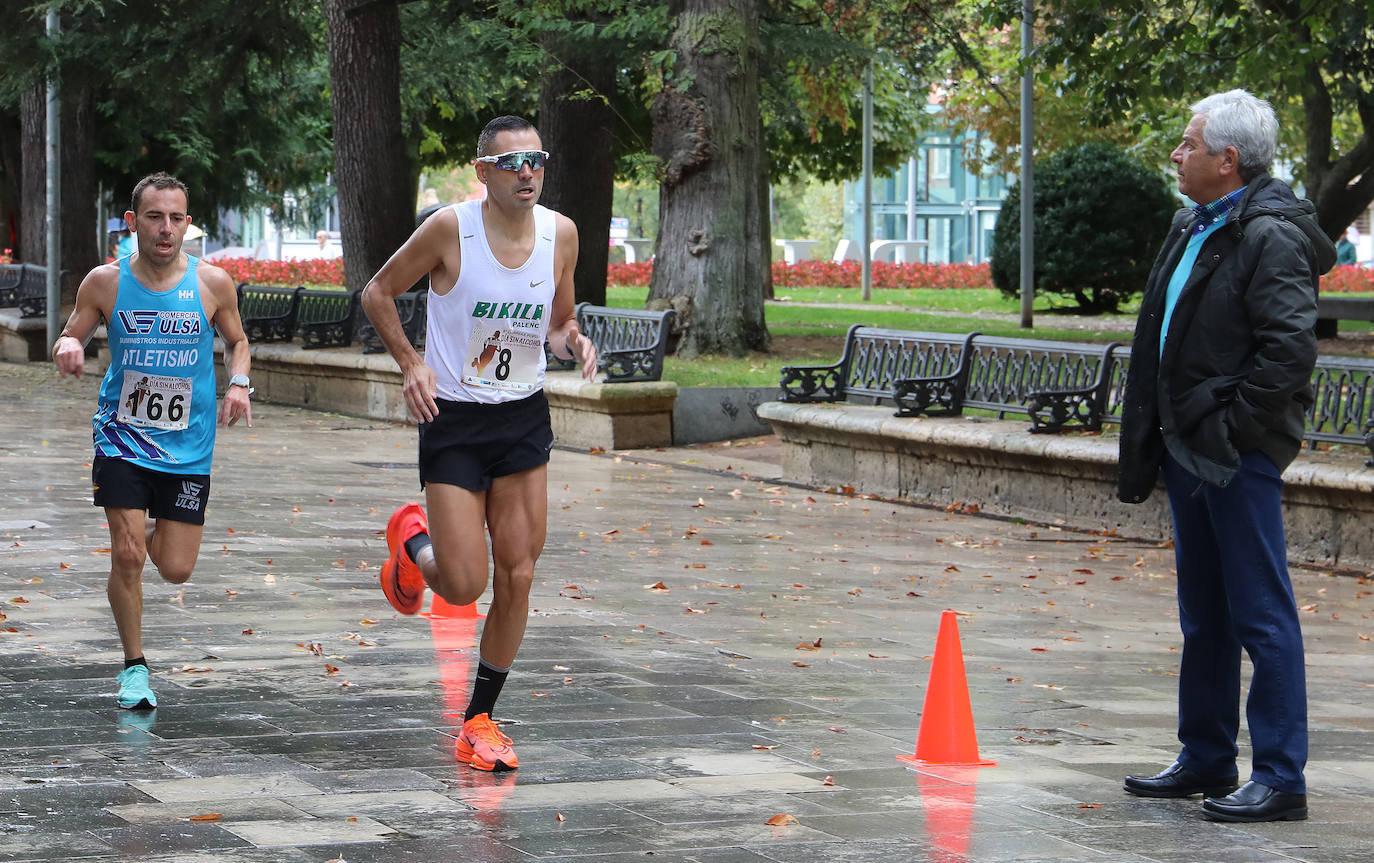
x=241 y=381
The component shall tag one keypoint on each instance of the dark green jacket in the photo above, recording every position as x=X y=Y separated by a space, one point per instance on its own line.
x=1235 y=374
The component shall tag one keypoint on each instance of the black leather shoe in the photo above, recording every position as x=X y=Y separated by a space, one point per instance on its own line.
x=1179 y=781
x=1256 y=802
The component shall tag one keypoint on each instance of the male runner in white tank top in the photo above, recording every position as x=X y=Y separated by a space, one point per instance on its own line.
x=501 y=282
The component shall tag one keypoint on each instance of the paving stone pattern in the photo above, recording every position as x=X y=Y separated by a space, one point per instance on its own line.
x=708 y=649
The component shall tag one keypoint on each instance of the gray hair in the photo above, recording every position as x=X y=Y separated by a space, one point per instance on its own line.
x=1237 y=119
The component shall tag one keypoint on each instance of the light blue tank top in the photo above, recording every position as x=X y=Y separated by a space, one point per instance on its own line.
x=157 y=401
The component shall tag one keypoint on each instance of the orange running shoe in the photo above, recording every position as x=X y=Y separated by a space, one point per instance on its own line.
x=482 y=745
x=402 y=582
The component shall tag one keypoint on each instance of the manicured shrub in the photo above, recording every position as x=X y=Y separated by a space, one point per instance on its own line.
x=1100 y=217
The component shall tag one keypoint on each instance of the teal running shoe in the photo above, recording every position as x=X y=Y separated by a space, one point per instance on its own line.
x=134 y=691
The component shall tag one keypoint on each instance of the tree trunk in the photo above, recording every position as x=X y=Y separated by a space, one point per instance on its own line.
x=576 y=127
x=33 y=206
x=371 y=166
x=1342 y=189
x=11 y=178
x=82 y=234
x=709 y=263
x=81 y=246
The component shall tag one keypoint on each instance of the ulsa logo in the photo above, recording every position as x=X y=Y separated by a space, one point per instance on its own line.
x=141 y=323
x=137 y=322
x=190 y=495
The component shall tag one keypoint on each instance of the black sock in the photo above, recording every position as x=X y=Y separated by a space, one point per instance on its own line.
x=415 y=544
x=130 y=663
x=490 y=679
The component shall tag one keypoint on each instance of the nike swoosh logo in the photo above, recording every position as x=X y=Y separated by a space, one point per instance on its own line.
x=536 y=284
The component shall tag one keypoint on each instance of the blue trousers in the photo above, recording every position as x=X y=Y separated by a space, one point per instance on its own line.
x=1234 y=593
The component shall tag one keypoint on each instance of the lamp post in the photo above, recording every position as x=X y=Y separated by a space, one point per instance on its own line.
x=52 y=218
x=1027 y=180
x=866 y=233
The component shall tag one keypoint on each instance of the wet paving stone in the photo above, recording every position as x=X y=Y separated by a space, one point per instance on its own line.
x=708 y=648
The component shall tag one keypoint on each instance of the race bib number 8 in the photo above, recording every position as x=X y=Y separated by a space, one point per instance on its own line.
x=155 y=401
x=503 y=359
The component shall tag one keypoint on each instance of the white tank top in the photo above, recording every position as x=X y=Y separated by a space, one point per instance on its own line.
x=485 y=338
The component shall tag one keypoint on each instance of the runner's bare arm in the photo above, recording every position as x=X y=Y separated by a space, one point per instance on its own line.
x=94 y=303
x=237 y=359
x=565 y=338
x=433 y=249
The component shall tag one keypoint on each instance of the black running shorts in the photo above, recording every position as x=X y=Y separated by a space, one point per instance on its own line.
x=121 y=484
x=470 y=444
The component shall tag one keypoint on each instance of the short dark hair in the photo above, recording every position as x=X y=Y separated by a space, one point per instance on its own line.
x=159 y=180
x=508 y=123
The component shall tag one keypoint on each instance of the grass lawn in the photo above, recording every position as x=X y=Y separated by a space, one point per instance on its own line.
x=807 y=334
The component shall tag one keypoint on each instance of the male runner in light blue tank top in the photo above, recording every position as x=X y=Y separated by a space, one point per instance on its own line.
x=154 y=429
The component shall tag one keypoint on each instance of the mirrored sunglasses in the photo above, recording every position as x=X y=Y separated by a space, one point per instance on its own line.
x=515 y=158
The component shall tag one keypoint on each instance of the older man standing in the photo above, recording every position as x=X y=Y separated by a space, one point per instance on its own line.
x=1215 y=396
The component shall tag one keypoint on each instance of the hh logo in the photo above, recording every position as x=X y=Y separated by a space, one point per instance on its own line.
x=190 y=495
x=186 y=294
x=137 y=323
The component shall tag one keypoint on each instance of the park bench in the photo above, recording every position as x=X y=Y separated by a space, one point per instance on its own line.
x=1058 y=385
x=25 y=286
x=875 y=360
x=325 y=318
x=1330 y=310
x=630 y=343
x=1342 y=403
x=412 y=308
x=268 y=313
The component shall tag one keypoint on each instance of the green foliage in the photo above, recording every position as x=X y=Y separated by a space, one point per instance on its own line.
x=1140 y=63
x=1099 y=219
x=241 y=116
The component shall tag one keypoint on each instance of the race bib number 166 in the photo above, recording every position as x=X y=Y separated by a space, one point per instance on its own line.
x=155 y=401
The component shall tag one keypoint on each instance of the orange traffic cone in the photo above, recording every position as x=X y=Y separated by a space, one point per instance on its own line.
x=440 y=607
x=946 y=735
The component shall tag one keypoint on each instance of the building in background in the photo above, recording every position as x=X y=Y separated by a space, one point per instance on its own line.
x=935 y=197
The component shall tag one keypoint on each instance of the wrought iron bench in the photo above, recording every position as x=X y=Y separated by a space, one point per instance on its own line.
x=1331 y=310
x=412 y=306
x=25 y=286
x=1342 y=409
x=1343 y=403
x=269 y=314
x=10 y=275
x=929 y=368
x=1058 y=385
x=630 y=343
x=325 y=318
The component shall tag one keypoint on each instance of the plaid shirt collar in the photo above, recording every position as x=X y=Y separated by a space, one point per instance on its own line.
x=1216 y=211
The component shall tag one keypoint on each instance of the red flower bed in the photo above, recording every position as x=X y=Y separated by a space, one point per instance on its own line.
x=1348 y=279
x=848 y=274
x=631 y=275
x=827 y=274
x=317 y=271
x=804 y=274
